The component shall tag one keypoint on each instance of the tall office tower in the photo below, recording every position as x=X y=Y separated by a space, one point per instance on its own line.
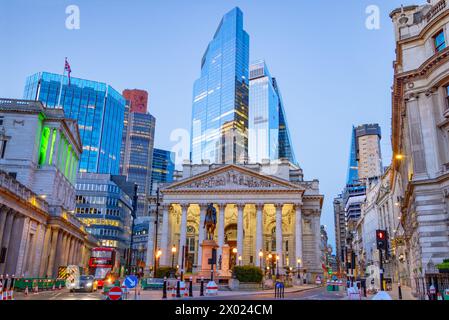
x=137 y=152
x=98 y=109
x=138 y=98
x=220 y=96
x=269 y=137
x=368 y=151
x=163 y=168
x=340 y=229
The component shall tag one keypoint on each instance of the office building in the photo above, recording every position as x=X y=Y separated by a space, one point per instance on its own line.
x=220 y=96
x=98 y=110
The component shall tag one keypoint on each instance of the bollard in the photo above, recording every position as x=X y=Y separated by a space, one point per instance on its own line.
x=399 y=291
x=164 y=289
x=202 y=287
x=178 y=289
x=191 y=288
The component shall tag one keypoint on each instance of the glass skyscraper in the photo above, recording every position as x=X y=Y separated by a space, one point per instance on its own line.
x=163 y=167
x=137 y=156
x=98 y=109
x=269 y=137
x=220 y=96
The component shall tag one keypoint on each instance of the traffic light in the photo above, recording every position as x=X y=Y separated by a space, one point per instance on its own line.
x=381 y=239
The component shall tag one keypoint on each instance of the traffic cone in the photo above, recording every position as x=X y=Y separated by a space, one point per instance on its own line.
x=439 y=296
x=26 y=290
x=54 y=287
x=59 y=286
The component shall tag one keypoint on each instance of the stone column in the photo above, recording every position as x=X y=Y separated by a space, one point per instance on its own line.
x=298 y=234
x=221 y=227
x=240 y=208
x=183 y=234
x=259 y=232
x=6 y=238
x=149 y=259
x=3 y=214
x=45 y=252
x=279 y=246
x=166 y=253
x=54 y=246
x=59 y=252
x=203 y=208
x=15 y=244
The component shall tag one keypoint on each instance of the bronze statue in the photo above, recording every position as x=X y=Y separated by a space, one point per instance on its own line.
x=210 y=221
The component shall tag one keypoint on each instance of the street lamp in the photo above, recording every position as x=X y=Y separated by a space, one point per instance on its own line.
x=260 y=258
x=173 y=251
x=234 y=251
x=240 y=260
x=270 y=257
x=298 y=262
x=158 y=255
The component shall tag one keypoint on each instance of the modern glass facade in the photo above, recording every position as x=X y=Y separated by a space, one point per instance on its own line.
x=163 y=168
x=98 y=109
x=138 y=156
x=353 y=173
x=106 y=209
x=269 y=137
x=220 y=96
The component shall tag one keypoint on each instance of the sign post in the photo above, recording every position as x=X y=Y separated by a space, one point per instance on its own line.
x=115 y=293
x=131 y=283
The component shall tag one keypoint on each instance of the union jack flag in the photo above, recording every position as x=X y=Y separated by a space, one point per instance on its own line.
x=67 y=68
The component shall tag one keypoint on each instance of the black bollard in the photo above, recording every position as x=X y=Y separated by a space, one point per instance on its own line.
x=164 y=289
x=202 y=287
x=178 y=289
x=399 y=291
x=191 y=288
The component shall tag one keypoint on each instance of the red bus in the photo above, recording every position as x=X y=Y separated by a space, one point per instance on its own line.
x=104 y=265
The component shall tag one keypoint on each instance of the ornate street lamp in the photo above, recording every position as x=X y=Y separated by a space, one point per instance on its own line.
x=240 y=260
x=158 y=256
x=298 y=262
x=260 y=258
x=234 y=251
x=270 y=257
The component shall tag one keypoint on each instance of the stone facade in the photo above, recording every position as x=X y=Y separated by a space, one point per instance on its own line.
x=258 y=206
x=39 y=160
x=420 y=131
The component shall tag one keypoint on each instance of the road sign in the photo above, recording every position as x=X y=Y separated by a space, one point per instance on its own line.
x=131 y=281
x=115 y=293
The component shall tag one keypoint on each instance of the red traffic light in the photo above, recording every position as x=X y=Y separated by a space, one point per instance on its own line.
x=380 y=234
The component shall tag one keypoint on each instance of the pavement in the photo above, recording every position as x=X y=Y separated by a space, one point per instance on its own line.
x=394 y=294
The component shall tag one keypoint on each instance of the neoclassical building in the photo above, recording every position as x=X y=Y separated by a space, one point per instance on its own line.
x=262 y=209
x=420 y=133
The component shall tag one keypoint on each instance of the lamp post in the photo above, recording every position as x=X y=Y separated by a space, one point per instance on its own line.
x=158 y=255
x=260 y=258
x=234 y=251
x=270 y=257
x=298 y=262
x=240 y=260
x=156 y=223
x=173 y=251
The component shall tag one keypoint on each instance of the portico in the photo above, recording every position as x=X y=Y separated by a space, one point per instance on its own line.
x=257 y=215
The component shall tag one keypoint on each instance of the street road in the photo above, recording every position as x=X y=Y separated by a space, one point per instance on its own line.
x=310 y=294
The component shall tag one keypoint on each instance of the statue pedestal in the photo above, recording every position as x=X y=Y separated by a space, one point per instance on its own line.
x=205 y=269
x=225 y=254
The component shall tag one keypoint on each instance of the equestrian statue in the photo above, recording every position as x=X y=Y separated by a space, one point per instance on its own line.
x=210 y=221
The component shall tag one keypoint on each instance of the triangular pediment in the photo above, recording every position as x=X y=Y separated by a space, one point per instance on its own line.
x=232 y=177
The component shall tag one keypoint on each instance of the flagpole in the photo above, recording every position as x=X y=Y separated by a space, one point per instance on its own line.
x=60 y=87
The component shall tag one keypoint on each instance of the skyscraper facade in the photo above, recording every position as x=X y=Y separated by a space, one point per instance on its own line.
x=163 y=167
x=220 y=96
x=269 y=137
x=137 y=151
x=98 y=109
x=138 y=99
x=368 y=151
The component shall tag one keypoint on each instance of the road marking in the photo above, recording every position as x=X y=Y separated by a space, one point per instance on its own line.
x=55 y=296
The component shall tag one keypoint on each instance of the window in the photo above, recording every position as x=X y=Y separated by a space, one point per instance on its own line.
x=439 y=41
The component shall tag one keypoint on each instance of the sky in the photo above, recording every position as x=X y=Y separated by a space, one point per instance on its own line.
x=333 y=71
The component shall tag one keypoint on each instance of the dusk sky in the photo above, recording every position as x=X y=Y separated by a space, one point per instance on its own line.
x=333 y=72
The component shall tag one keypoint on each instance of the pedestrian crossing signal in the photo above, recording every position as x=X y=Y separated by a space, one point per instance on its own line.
x=381 y=239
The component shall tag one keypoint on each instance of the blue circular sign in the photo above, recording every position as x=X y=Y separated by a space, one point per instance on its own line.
x=131 y=281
